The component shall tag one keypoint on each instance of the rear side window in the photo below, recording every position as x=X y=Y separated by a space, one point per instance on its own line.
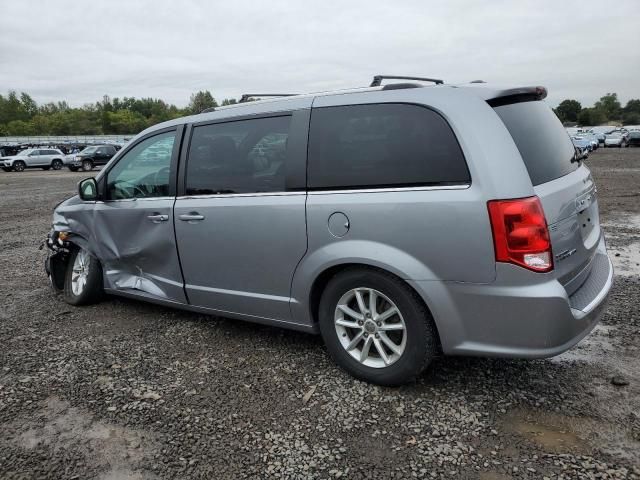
x=244 y=156
x=382 y=145
x=541 y=139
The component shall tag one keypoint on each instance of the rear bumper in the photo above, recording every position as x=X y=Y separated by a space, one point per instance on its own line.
x=513 y=317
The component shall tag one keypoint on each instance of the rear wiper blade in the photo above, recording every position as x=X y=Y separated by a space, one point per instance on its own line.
x=577 y=156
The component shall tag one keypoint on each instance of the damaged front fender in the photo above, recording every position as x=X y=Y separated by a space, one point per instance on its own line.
x=137 y=253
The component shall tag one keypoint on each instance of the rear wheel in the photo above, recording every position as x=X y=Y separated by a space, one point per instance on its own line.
x=83 y=279
x=87 y=165
x=56 y=164
x=376 y=327
x=19 y=166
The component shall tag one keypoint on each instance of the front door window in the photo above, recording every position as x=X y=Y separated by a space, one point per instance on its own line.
x=143 y=171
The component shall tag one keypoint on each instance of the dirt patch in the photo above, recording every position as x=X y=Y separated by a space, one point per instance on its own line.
x=554 y=433
x=118 y=452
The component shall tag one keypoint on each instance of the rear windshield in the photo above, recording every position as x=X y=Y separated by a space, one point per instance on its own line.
x=543 y=142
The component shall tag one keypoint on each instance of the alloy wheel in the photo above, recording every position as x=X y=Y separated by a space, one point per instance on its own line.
x=80 y=272
x=370 y=327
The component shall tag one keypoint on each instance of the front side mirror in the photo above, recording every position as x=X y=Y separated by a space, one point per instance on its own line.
x=88 y=189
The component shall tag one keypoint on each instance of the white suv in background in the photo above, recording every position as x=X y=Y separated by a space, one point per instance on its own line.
x=44 y=158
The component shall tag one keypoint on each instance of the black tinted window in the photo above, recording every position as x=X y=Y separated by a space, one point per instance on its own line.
x=244 y=156
x=382 y=145
x=541 y=139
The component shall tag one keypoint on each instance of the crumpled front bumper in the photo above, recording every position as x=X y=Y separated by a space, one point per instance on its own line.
x=55 y=264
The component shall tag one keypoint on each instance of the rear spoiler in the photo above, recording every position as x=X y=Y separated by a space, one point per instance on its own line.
x=517 y=95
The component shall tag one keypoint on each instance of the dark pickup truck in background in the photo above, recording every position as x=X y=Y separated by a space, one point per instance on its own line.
x=90 y=157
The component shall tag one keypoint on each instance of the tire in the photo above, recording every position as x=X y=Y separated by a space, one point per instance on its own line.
x=411 y=331
x=19 y=166
x=56 y=164
x=83 y=287
x=73 y=169
x=87 y=165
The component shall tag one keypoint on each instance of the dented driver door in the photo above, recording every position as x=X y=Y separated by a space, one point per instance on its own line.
x=134 y=223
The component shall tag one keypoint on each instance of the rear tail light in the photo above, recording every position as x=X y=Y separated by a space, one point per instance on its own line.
x=520 y=233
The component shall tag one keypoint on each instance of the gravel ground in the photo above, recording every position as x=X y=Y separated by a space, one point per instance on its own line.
x=125 y=389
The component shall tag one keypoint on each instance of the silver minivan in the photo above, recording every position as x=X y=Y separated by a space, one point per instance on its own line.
x=399 y=221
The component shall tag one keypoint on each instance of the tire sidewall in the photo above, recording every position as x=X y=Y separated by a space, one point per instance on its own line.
x=421 y=344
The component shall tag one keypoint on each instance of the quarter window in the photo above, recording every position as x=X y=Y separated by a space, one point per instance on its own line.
x=144 y=170
x=244 y=156
x=382 y=145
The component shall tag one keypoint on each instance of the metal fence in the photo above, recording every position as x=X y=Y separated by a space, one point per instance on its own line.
x=62 y=139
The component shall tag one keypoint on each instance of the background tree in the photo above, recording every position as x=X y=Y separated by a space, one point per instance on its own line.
x=609 y=106
x=631 y=112
x=201 y=101
x=591 y=117
x=568 y=110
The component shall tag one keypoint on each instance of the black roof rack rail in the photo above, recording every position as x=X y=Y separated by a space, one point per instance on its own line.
x=377 y=80
x=246 y=96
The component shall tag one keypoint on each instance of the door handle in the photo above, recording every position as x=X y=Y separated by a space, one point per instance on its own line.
x=157 y=218
x=191 y=217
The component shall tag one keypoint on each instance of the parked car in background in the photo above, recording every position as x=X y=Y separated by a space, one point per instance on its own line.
x=44 y=158
x=582 y=143
x=616 y=139
x=300 y=224
x=633 y=140
x=600 y=136
x=92 y=156
x=591 y=138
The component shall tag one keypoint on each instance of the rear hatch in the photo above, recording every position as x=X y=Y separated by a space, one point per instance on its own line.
x=565 y=187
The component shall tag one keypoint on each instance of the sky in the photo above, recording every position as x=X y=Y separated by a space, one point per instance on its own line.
x=79 y=51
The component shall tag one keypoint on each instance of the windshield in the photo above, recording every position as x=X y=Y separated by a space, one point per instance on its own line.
x=25 y=152
x=615 y=135
x=545 y=147
x=89 y=150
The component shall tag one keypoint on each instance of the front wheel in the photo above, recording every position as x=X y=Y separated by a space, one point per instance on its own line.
x=19 y=166
x=87 y=165
x=73 y=169
x=376 y=327
x=83 y=279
